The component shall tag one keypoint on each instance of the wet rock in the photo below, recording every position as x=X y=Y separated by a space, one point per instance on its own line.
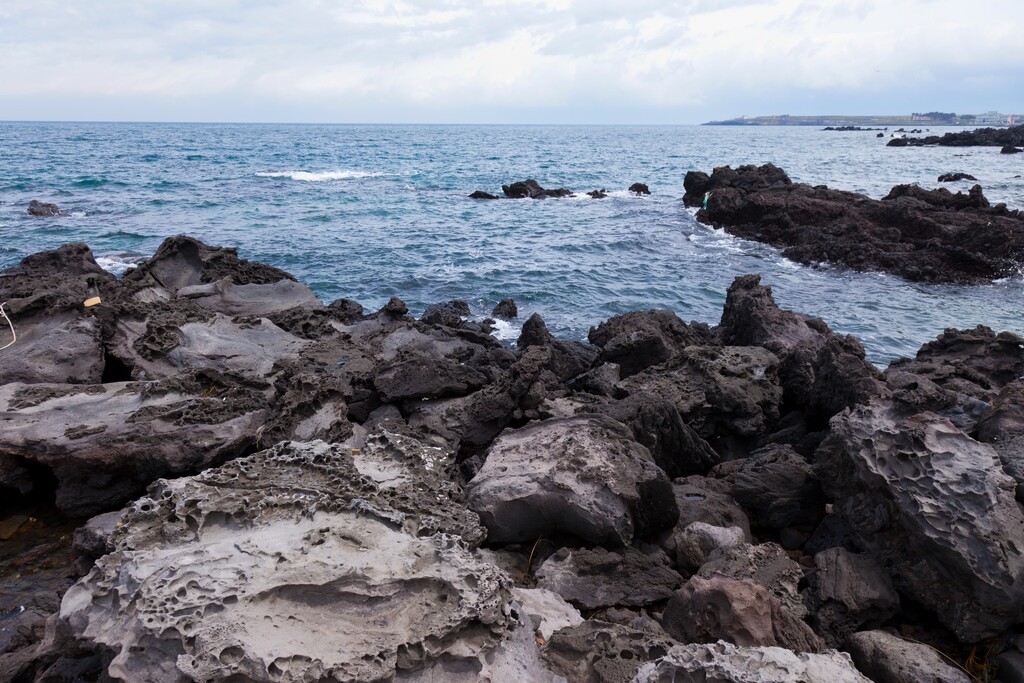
x=725 y=663
x=953 y=177
x=105 y=442
x=449 y=314
x=921 y=235
x=698 y=541
x=531 y=189
x=596 y=578
x=597 y=194
x=603 y=652
x=640 y=339
x=506 y=309
x=886 y=658
x=1010 y=149
x=935 y=507
x=313 y=535
x=849 y=592
x=38 y=208
x=639 y=188
x=394 y=308
x=979 y=137
x=777 y=488
x=583 y=476
x=737 y=611
x=767 y=565
x=480 y=194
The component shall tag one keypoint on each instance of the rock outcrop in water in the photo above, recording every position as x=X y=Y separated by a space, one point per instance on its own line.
x=288 y=491
x=981 y=137
x=921 y=235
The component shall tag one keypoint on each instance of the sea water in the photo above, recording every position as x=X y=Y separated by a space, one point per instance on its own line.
x=370 y=211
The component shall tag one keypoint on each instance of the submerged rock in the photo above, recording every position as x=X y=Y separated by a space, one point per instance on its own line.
x=953 y=177
x=531 y=189
x=639 y=188
x=38 y=208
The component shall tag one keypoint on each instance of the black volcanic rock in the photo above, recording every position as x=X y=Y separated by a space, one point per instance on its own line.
x=38 y=208
x=1010 y=149
x=597 y=194
x=982 y=137
x=953 y=177
x=639 y=188
x=505 y=309
x=918 y=234
x=531 y=189
x=480 y=194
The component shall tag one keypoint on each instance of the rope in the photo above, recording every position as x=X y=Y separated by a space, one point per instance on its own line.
x=14 y=336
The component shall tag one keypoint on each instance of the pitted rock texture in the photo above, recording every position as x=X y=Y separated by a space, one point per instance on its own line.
x=936 y=507
x=766 y=564
x=596 y=578
x=597 y=651
x=303 y=562
x=725 y=663
x=583 y=476
x=640 y=339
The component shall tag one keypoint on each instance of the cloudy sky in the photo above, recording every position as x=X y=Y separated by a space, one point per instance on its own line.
x=497 y=61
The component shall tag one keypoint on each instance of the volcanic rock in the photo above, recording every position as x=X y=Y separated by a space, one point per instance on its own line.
x=980 y=137
x=506 y=309
x=640 y=339
x=597 y=578
x=777 y=489
x=953 y=177
x=766 y=564
x=639 y=188
x=480 y=194
x=848 y=592
x=889 y=659
x=601 y=652
x=698 y=541
x=38 y=208
x=531 y=189
x=1010 y=149
x=583 y=476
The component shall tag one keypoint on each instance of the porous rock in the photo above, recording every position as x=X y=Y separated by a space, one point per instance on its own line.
x=547 y=610
x=738 y=611
x=766 y=564
x=639 y=339
x=601 y=652
x=886 y=658
x=595 y=578
x=726 y=663
x=254 y=569
x=583 y=476
x=935 y=507
x=505 y=309
x=698 y=541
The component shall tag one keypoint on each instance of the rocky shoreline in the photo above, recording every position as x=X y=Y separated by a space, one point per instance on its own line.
x=921 y=235
x=271 y=488
x=1011 y=137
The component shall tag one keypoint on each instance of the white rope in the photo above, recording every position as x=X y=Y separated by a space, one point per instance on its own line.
x=14 y=337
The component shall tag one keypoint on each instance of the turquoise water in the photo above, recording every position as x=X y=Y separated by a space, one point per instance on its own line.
x=367 y=212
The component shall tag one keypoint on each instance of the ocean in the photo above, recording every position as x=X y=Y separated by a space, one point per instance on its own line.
x=370 y=211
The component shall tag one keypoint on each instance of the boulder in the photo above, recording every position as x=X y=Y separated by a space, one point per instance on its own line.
x=480 y=194
x=601 y=652
x=849 y=591
x=935 y=507
x=737 y=611
x=505 y=309
x=766 y=564
x=546 y=610
x=568 y=358
x=583 y=476
x=954 y=177
x=726 y=663
x=640 y=339
x=450 y=313
x=597 y=578
x=597 y=194
x=38 y=208
x=531 y=189
x=1010 y=149
x=887 y=658
x=777 y=488
x=639 y=189
x=311 y=535
x=698 y=541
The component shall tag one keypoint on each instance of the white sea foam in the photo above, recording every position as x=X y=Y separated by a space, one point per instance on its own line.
x=506 y=331
x=78 y=214
x=318 y=176
x=117 y=263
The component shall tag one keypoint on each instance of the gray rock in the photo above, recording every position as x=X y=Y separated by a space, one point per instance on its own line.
x=886 y=658
x=583 y=476
x=777 y=489
x=260 y=300
x=848 y=592
x=92 y=540
x=640 y=339
x=38 y=208
x=600 y=652
x=223 y=345
x=725 y=663
x=738 y=611
x=236 y=572
x=597 y=578
x=505 y=309
x=702 y=499
x=546 y=610
x=699 y=540
x=450 y=313
x=766 y=564
x=935 y=507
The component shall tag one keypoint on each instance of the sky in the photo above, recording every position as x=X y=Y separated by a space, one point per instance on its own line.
x=505 y=61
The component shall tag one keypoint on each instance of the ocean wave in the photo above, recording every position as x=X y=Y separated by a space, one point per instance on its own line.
x=118 y=263
x=318 y=176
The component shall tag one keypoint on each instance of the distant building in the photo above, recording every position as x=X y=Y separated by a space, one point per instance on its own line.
x=993 y=118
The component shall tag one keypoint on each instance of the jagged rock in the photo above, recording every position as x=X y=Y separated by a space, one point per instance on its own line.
x=568 y=359
x=546 y=610
x=105 y=442
x=480 y=194
x=953 y=177
x=531 y=189
x=394 y=308
x=639 y=188
x=596 y=578
x=738 y=611
x=727 y=394
x=777 y=488
x=820 y=371
x=223 y=345
x=978 y=137
x=92 y=540
x=583 y=476
x=311 y=535
x=886 y=658
x=640 y=339
x=935 y=507
x=415 y=379
x=38 y=208
x=918 y=234
x=601 y=652
x=505 y=309
x=450 y=313
x=346 y=310
x=725 y=663
x=597 y=194
x=849 y=591
x=766 y=564
x=698 y=541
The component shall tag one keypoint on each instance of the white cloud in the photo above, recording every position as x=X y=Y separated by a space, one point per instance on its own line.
x=417 y=60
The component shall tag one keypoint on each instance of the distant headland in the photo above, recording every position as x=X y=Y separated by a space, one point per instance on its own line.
x=933 y=118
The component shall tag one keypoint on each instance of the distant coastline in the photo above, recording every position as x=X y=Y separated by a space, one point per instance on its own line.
x=991 y=118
